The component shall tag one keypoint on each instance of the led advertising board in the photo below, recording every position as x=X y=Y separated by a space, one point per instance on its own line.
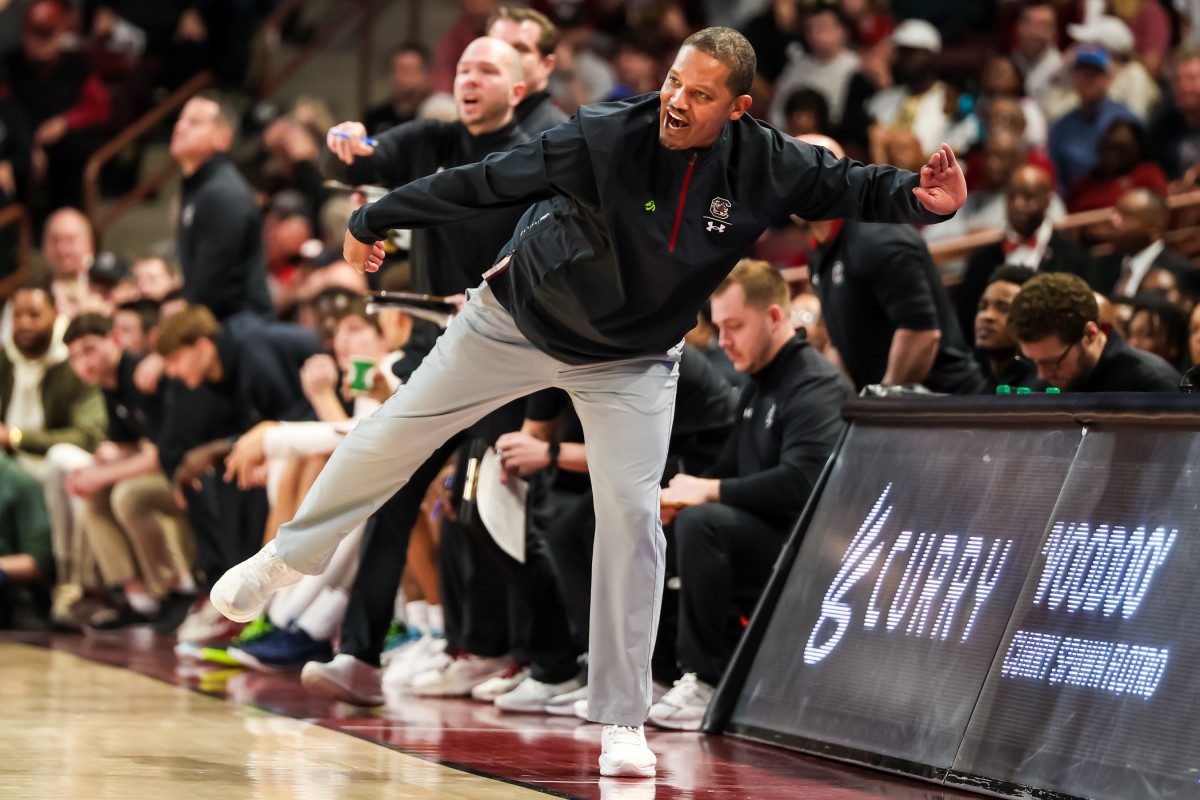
x=903 y=586
x=1095 y=688
x=1013 y=611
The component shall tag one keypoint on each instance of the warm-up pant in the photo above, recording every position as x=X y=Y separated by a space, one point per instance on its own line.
x=724 y=556
x=480 y=363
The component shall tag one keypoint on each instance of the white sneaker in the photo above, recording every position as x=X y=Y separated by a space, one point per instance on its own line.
x=459 y=677
x=346 y=679
x=206 y=624
x=489 y=690
x=581 y=709
x=624 y=753
x=243 y=591
x=532 y=696
x=564 y=704
x=428 y=653
x=683 y=707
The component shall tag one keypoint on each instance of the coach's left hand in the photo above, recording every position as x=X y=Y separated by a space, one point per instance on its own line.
x=363 y=257
x=943 y=187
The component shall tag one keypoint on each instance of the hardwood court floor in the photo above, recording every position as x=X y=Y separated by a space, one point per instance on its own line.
x=88 y=720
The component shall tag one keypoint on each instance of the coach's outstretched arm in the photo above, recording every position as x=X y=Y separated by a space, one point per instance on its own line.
x=554 y=163
x=832 y=188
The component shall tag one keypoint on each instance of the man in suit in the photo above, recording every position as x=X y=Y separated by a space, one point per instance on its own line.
x=1139 y=221
x=1029 y=241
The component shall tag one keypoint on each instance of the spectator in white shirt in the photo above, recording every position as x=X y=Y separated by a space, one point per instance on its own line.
x=826 y=67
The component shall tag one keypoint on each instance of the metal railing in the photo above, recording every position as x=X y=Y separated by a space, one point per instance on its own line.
x=946 y=250
x=138 y=128
x=271 y=78
x=1185 y=237
x=17 y=215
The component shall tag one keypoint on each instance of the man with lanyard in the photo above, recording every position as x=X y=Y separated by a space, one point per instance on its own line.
x=640 y=209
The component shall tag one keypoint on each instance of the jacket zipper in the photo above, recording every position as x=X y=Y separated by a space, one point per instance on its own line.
x=682 y=195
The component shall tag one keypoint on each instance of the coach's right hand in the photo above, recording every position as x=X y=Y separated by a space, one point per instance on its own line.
x=348 y=147
x=363 y=257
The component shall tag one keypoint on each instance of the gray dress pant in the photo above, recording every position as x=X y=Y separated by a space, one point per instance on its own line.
x=480 y=363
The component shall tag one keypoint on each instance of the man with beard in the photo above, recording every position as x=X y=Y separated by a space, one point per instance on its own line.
x=42 y=401
x=917 y=101
x=1056 y=322
x=995 y=345
x=43 y=404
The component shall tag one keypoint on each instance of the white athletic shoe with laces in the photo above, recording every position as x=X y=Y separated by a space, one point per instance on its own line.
x=624 y=752
x=683 y=707
x=532 y=696
x=564 y=704
x=243 y=591
x=489 y=690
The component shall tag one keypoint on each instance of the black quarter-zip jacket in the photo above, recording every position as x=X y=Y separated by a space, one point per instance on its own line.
x=626 y=239
x=787 y=423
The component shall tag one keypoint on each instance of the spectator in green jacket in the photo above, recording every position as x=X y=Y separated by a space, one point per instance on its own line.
x=51 y=421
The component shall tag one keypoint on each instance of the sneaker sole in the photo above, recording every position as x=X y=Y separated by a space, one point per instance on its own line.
x=250 y=662
x=318 y=684
x=624 y=769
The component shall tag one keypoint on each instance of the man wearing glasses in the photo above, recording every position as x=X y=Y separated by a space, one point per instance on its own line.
x=1056 y=321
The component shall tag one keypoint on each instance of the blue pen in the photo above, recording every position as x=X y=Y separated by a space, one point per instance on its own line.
x=367 y=140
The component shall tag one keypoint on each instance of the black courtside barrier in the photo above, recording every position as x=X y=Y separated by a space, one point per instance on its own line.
x=1001 y=594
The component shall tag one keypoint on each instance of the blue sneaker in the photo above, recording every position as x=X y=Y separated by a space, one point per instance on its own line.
x=285 y=651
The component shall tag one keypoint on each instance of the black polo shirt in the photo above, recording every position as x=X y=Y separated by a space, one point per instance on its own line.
x=132 y=416
x=874 y=279
x=1122 y=368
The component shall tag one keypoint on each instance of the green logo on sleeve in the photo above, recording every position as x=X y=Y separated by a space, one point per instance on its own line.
x=650 y=206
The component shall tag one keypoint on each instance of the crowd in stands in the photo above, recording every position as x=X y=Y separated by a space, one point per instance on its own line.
x=163 y=413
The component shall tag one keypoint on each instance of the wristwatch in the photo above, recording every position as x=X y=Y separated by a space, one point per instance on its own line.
x=14 y=438
x=554 y=447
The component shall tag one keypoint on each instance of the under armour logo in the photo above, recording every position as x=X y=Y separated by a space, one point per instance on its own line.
x=715 y=226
